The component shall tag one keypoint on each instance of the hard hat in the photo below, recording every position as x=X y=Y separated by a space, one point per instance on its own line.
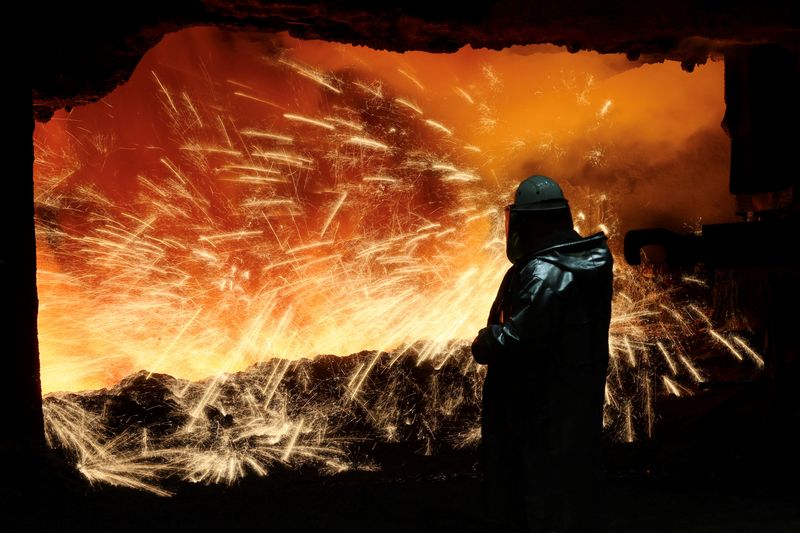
x=538 y=193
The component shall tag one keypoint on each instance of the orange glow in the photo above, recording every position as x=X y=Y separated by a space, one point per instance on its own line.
x=245 y=196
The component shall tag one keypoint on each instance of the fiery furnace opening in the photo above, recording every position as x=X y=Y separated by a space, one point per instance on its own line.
x=245 y=201
x=247 y=196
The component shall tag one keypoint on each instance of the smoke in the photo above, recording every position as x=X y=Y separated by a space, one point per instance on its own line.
x=675 y=189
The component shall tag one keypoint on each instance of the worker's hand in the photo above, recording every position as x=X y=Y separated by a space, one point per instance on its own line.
x=482 y=348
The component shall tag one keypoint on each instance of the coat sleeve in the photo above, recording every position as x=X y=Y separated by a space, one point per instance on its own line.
x=497 y=305
x=535 y=311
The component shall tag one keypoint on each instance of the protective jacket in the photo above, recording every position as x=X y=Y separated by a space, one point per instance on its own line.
x=546 y=347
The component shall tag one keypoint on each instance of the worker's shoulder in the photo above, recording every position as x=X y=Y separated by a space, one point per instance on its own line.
x=538 y=271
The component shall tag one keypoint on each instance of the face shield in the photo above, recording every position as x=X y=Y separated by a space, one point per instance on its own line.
x=514 y=248
x=528 y=229
x=533 y=215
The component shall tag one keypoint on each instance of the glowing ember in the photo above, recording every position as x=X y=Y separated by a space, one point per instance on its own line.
x=246 y=202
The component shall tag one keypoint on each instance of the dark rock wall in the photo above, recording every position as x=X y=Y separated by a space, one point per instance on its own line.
x=81 y=52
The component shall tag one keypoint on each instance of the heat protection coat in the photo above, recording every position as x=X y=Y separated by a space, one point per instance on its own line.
x=546 y=348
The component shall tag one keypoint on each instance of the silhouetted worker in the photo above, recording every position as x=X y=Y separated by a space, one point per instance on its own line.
x=546 y=347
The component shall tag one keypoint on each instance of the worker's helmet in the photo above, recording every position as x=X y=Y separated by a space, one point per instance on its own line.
x=538 y=193
x=537 y=198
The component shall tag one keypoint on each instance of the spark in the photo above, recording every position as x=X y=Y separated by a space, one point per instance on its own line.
x=438 y=126
x=693 y=279
x=205 y=255
x=356 y=387
x=348 y=123
x=376 y=89
x=699 y=313
x=414 y=80
x=190 y=105
x=284 y=157
x=234 y=235
x=311 y=74
x=460 y=176
x=291 y=444
x=254 y=168
x=492 y=77
x=406 y=103
x=691 y=368
x=629 y=351
x=224 y=130
x=267 y=135
x=239 y=84
x=268 y=202
x=256 y=99
x=197 y=147
x=369 y=143
x=257 y=180
x=164 y=91
x=314 y=122
x=629 y=435
x=595 y=156
x=667 y=357
x=605 y=108
x=334 y=210
x=465 y=95
x=749 y=351
x=725 y=343
x=430 y=226
x=671 y=387
x=385 y=179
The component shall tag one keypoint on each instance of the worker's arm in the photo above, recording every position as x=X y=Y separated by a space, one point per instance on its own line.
x=533 y=312
x=496 y=311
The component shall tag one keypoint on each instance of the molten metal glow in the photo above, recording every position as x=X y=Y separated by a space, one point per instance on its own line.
x=245 y=199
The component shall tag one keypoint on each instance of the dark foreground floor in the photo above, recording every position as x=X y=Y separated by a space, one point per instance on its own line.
x=736 y=501
x=737 y=473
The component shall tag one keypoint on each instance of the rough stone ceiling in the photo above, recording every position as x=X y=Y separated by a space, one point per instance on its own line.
x=82 y=52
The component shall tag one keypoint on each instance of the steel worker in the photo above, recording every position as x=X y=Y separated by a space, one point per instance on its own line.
x=546 y=349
